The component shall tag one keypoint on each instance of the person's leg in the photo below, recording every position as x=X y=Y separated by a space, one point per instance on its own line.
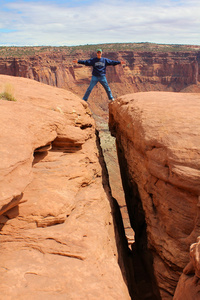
x=104 y=82
x=93 y=82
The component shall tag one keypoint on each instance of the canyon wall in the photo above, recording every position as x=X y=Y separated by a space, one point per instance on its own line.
x=58 y=234
x=143 y=71
x=158 y=142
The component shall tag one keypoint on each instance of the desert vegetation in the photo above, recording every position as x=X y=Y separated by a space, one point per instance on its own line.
x=141 y=47
x=7 y=94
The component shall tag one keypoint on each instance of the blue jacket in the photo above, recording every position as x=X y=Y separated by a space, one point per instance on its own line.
x=99 y=65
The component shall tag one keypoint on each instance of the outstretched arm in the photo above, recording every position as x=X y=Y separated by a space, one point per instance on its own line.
x=88 y=62
x=114 y=62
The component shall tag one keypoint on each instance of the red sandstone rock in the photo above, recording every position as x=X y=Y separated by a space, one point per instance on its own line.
x=158 y=136
x=188 y=287
x=57 y=232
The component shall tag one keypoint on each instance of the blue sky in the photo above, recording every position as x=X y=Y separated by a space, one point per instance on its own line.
x=65 y=22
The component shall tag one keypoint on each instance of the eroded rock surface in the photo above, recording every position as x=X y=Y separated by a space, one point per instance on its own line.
x=57 y=232
x=158 y=140
x=188 y=287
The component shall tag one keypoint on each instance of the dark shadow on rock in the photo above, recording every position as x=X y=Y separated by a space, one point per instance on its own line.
x=125 y=260
x=10 y=210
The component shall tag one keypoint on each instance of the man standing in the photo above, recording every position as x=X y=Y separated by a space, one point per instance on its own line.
x=99 y=65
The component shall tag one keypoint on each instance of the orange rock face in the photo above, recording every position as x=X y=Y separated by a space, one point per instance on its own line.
x=188 y=285
x=158 y=140
x=57 y=232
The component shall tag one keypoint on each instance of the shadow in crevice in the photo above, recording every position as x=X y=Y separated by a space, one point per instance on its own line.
x=125 y=260
x=38 y=156
x=40 y=153
x=136 y=263
x=10 y=210
x=142 y=259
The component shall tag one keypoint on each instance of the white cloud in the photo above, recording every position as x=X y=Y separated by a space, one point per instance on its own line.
x=43 y=23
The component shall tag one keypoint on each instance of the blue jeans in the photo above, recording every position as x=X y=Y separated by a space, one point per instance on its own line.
x=93 y=82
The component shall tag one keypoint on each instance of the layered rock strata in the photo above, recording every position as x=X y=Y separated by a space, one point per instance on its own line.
x=158 y=142
x=143 y=71
x=58 y=238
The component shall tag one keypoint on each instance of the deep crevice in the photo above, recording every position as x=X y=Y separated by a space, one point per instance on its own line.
x=141 y=256
x=125 y=260
x=136 y=263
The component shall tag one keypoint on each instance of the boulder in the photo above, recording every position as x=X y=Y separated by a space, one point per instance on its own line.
x=188 y=286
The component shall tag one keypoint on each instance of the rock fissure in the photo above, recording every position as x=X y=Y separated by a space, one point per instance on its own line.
x=70 y=255
x=136 y=259
x=124 y=252
x=141 y=257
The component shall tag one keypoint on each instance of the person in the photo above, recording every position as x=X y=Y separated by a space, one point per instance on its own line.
x=99 y=65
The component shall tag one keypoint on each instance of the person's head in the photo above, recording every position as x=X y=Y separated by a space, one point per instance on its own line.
x=99 y=53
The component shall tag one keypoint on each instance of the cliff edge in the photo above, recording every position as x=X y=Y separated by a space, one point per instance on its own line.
x=57 y=234
x=158 y=143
